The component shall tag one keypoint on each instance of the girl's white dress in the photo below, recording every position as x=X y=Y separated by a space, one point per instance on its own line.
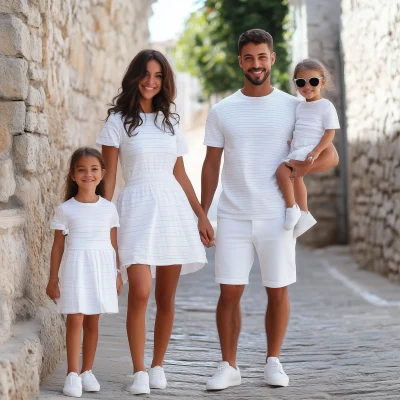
x=312 y=119
x=158 y=226
x=87 y=277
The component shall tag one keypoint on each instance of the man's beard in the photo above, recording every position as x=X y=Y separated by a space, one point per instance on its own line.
x=258 y=82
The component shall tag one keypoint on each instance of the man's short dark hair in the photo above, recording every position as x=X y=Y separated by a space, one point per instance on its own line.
x=256 y=36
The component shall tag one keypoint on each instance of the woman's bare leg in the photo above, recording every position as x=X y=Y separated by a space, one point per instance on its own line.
x=167 y=278
x=139 y=276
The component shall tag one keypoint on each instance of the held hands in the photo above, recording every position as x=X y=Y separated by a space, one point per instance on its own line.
x=206 y=231
x=53 y=290
x=311 y=157
x=120 y=284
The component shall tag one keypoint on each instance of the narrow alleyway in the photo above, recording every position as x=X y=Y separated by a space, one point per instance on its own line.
x=342 y=341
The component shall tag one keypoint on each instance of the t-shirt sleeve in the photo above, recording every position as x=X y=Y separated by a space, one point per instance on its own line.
x=115 y=218
x=59 y=221
x=110 y=135
x=181 y=145
x=214 y=136
x=330 y=118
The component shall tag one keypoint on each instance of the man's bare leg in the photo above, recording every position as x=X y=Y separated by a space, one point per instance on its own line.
x=276 y=319
x=229 y=321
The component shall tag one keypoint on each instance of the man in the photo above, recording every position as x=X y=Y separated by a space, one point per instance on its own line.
x=253 y=126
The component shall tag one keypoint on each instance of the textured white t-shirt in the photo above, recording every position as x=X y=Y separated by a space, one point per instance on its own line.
x=253 y=132
x=313 y=118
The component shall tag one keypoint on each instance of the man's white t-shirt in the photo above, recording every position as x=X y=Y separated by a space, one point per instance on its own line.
x=253 y=132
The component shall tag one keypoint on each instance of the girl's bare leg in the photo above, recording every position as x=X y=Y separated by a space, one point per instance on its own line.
x=73 y=341
x=90 y=339
x=285 y=184
x=139 y=276
x=300 y=192
x=167 y=278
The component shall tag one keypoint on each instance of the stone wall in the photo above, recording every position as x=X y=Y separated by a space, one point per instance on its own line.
x=315 y=33
x=371 y=42
x=61 y=62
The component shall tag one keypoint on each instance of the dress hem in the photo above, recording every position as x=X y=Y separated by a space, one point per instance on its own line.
x=188 y=267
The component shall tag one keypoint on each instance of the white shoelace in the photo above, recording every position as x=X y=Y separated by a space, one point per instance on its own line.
x=220 y=370
x=158 y=373
x=277 y=368
x=141 y=378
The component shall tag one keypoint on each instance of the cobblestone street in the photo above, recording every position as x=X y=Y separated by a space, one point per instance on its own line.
x=342 y=341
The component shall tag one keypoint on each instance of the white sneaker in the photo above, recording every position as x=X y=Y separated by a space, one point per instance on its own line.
x=140 y=383
x=73 y=385
x=293 y=215
x=305 y=222
x=224 y=377
x=89 y=382
x=274 y=373
x=157 y=378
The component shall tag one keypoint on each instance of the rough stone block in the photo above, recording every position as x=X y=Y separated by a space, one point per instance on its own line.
x=15 y=38
x=12 y=116
x=36 y=122
x=36 y=49
x=26 y=152
x=5 y=140
x=20 y=362
x=7 y=181
x=14 y=79
x=36 y=72
x=36 y=97
x=17 y=6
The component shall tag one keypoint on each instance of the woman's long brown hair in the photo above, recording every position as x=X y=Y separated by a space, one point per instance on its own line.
x=127 y=101
x=71 y=187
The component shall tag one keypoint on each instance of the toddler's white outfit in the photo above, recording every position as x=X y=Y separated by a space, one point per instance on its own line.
x=312 y=119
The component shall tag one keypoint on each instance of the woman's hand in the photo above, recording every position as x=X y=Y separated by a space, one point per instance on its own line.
x=312 y=156
x=120 y=284
x=53 y=290
x=206 y=231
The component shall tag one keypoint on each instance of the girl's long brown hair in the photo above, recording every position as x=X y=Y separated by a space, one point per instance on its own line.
x=127 y=101
x=71 y=187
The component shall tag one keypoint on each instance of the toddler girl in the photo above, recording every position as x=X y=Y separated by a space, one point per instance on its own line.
x=316 y=121
x=88 y=282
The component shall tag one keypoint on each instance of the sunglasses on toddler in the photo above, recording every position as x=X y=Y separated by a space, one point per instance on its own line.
x=301 y=82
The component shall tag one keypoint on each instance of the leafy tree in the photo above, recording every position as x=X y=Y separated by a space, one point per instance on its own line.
x=208 y=47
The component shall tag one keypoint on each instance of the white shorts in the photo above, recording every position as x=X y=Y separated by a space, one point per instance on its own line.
x=236 y=244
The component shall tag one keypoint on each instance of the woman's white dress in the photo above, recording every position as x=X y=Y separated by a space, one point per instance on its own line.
x=312 y=119
x=87 y=277
x=158 y=226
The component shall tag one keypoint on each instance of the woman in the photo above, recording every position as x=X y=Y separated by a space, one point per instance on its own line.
x=158 y=234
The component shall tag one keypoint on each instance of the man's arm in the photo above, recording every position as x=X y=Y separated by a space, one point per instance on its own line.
x=210 y=176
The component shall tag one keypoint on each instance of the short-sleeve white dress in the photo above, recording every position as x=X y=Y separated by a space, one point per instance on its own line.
x=87 y=277
x=313 y=118
x=158 y=226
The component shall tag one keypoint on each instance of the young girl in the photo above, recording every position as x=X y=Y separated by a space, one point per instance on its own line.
x=316 y=121
x=85 y=239
x=158 y=234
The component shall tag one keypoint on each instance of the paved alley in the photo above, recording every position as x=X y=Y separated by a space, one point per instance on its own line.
x=343 y=340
